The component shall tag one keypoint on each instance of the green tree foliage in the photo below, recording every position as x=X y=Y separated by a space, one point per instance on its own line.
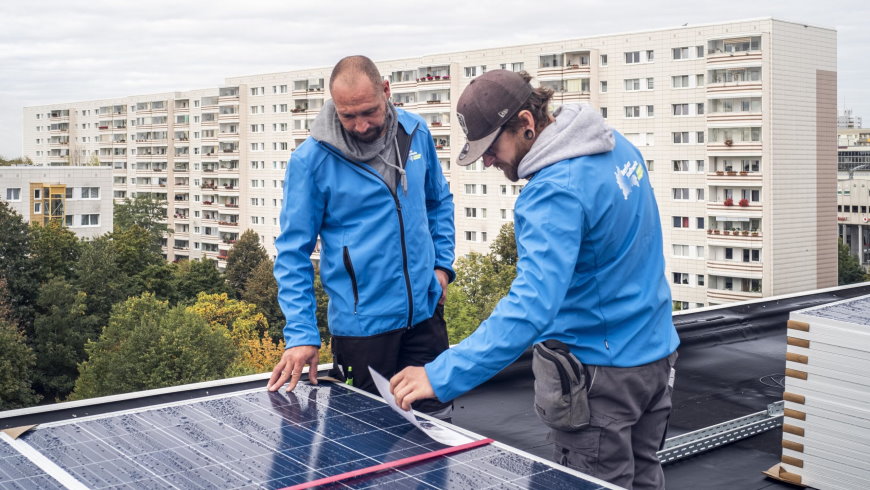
x=144 y=212
x=191 y=277
x=481 y=281
x=55 y=250
x=15 y=161
x=97 y=275
x=849 y=269
x=135 y=250
x=262 y=290
x=16 y=363
x=243 y=258
x=149 y=345
x=17 y=267
x=322 y=301
x=60 y=331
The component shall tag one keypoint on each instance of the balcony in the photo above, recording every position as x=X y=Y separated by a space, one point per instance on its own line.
x=734 y=268
x=717 y=296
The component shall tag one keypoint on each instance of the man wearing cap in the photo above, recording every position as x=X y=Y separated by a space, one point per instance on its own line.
x=590 y=274
x=369 y=184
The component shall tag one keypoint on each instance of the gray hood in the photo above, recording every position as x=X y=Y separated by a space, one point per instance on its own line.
x=579 y=130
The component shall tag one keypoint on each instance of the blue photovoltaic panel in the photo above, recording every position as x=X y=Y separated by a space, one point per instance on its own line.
x=16 y=471
x=257 y=439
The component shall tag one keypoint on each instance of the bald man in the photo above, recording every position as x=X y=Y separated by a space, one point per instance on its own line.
x=368 y=182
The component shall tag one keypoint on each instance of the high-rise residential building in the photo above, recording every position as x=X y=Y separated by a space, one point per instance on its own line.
x=853 y=192
x=846 y=120
x=79 y=198
x=736 y=120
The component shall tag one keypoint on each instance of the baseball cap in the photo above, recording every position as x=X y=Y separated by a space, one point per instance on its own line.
x=485 y=105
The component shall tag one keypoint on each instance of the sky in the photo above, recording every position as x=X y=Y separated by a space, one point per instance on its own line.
x=54 y=51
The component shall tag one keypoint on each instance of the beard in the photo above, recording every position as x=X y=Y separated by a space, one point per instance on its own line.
x=373 y=133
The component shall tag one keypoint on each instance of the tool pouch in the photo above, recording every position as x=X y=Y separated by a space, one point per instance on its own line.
x=560 y=387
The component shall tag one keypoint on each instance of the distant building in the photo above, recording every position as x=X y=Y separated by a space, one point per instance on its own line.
x=846 y=120
x=77 y=197
x=735 y=119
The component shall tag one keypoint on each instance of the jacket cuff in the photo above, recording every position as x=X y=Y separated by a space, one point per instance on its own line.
x=301 y=334
x=451 y=276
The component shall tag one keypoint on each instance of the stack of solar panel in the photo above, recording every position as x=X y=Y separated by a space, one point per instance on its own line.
x=826 y=429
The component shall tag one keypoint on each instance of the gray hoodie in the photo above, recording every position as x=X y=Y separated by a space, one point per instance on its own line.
x=381 y=154
x=578 y=130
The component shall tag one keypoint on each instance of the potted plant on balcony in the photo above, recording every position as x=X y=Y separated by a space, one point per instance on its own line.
x=709 y=231
x=720 y=172
x=753 y=232
x=716 y=231
x=445 y=77
x=729 y=202
x=744 y=173
x=743 y=203
x=745 y=232
x=729 y=142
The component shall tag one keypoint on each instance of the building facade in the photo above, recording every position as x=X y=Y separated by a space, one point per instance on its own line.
x=737 y=122
x=80 y=198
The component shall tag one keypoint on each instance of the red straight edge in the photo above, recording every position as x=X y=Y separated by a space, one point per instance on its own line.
x=391 y=464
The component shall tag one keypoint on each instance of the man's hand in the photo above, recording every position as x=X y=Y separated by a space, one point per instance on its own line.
x=443 y=279
x=290 y=367
x=410 y=385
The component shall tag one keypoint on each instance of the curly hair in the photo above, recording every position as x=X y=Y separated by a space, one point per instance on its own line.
x=538 y=104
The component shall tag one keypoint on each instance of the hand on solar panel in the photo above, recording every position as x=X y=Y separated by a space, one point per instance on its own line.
x=409 y=385
x=289 y=368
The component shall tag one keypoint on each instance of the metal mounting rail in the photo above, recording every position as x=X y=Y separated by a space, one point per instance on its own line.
x=699 y=441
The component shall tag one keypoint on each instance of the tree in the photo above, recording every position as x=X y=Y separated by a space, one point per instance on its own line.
x=243 y=258
x=504 y=247
x=262 y=290
x=149 y=345
x=55 y=250
x=60 y=331
x=97 y=275
x=15 y=161
x=135 y=249
x=191 y=277
x=16 y=363
x=143 y=211
x=321 y=313
x=461 y=317
x=248 y=327
x=849 y=270
x=16 y=267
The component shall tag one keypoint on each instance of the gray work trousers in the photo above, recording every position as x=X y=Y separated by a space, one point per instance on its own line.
x=629 y=409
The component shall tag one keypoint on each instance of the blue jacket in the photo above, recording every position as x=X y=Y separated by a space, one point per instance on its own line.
x=379 y=249
x=590 y=274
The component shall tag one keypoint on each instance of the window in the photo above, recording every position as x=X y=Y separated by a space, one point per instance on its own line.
x=650 y=111
x=681 y=137
x=90 y=192
x=699 y=51
x=68 y=220
x=699 y=166
x=729 y=253
x=681 y=278
x=681 y=193
x=650 y=165
x=681 y=221
x=603 y=60
x=604 y=112
x=471 y=236
x=471 y=188
x=13 y=194
x=699 y=80
x=473 y=71
x=680 y=81
x=680 y=109
x=90 y=220
x=632 y=84
x=700 y=279
x=700 y=223
x=699 y=137
x=699 y=253
x=699 y=194
x=69 y=190
x=471 y=212
x=517 y=66
x=681 y=250
x=37 y=193
x=603 y=86
x=681 y=53
x=632 y=111
x=699 y=108
x=681 y=165
x=650 y=55
x=632 y=57
x=483 y=236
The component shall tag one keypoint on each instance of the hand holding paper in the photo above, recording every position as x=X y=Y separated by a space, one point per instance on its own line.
x=436 y=432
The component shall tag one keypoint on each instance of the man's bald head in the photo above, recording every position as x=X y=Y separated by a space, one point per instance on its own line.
x=349 y=70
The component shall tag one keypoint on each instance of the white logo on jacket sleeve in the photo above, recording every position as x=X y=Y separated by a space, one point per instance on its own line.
x=629 y=176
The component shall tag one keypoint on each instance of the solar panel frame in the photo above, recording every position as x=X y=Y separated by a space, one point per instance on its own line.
x=256 y=439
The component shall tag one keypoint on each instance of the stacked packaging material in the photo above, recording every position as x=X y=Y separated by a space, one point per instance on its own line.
x=826 y=429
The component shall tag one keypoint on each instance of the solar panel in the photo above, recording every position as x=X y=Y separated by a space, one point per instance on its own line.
x=257 y=439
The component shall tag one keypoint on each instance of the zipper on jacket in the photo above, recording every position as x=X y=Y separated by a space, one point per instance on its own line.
x=563 y=373
x=349 y=266
x=401 y=230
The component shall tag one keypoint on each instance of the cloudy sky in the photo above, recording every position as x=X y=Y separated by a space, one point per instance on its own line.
x=69 y=50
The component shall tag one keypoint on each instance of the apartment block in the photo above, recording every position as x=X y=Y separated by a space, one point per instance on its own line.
x=737 y=122
x=853 y=192
x=79 y=198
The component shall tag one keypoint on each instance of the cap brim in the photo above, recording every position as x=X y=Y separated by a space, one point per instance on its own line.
x=475 y=149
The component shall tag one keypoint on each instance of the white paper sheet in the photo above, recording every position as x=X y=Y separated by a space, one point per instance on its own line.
x=436 y=432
